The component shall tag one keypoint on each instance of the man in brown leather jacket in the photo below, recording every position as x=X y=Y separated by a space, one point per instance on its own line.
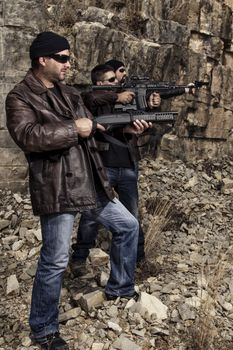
x=49 y=122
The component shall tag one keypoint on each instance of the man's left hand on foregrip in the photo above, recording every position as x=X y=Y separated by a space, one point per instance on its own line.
x=190 y=89
x=138 y=127
x=154 y=100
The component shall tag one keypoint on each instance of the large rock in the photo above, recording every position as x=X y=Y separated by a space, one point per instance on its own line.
x=90 y=300
x=148 y=306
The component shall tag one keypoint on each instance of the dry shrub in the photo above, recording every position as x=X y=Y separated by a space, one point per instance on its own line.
x=204 y=332
x=161 y=211
x=62 y=13
x=65 y=13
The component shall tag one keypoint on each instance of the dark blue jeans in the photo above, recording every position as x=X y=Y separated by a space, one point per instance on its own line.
x=124 y=181
x=54 y=256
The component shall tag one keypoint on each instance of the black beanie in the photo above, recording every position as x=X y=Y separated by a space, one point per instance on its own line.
x=115 y=64
x=48 y=43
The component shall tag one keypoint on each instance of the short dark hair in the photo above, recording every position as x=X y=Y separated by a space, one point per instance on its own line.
x=98 y=72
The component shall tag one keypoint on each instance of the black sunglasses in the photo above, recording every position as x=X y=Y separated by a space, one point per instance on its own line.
x=60 y=58
x=122 y=70
x=110 y=80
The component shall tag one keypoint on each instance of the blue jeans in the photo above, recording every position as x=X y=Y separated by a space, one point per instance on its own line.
x=54 y=256
x=124 y=181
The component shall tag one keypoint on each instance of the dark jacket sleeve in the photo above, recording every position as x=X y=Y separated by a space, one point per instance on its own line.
x=167 y=93
x=99 y=102
x=31 y=134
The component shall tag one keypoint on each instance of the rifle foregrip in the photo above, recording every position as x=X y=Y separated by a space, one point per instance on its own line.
x=127 y=118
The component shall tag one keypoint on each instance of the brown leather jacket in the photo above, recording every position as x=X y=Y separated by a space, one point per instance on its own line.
x=60 y=162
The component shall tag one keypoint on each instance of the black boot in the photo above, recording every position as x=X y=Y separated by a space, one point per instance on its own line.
x=52 y=342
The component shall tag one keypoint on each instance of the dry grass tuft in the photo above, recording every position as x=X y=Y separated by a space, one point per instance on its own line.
x=161 y=213
x=204 y=332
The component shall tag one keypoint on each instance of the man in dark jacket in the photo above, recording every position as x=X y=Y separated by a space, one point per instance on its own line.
x=120 y=163
x=118 y=159
x=50 y=123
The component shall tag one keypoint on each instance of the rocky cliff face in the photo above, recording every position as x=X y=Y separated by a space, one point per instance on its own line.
x=165 y=40
x=19 y=21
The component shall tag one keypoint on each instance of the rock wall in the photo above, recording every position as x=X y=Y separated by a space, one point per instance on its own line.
x=168 y=40
x=19 y=21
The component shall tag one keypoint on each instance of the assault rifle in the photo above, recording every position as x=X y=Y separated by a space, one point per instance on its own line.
x=142 y=88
